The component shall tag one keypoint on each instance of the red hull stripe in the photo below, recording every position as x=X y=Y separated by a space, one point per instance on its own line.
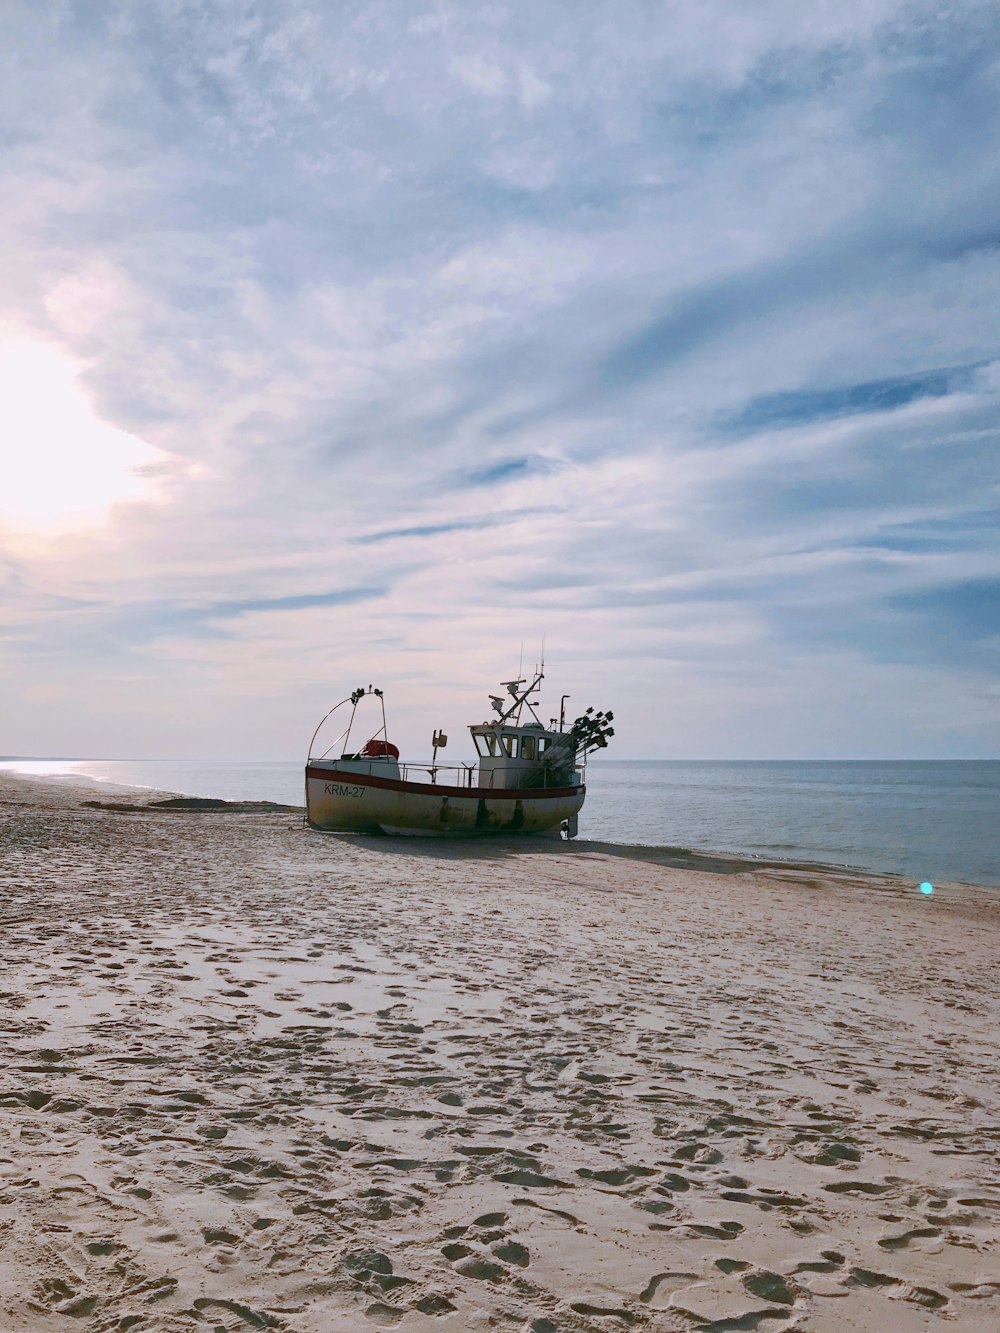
x=437 y=789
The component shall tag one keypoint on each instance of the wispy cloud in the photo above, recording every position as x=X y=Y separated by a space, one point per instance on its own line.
x=418 y=530
x=504 y=469
x=806 y=405
x=299 y=602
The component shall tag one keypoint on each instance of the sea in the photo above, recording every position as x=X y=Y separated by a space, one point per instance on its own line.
x=927 y=820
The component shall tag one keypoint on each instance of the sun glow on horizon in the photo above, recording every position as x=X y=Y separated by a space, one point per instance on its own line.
x=61 y=467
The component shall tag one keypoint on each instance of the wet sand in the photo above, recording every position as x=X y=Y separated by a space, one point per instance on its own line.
x=260 y=1078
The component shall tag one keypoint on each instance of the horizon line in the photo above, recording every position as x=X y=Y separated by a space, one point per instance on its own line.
x=631 y=759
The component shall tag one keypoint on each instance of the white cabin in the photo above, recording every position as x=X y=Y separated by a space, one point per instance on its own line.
x=511 y=756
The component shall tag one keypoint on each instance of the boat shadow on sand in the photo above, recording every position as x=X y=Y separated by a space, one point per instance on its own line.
x=481 y=847
x=498 y=847
x=502 y=846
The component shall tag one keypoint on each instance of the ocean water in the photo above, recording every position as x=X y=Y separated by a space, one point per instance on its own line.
x=925 y=819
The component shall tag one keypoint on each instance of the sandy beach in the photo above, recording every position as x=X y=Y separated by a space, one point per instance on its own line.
x=260 y=1078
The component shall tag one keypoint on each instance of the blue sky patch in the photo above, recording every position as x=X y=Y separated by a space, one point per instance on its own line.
x=804 y=406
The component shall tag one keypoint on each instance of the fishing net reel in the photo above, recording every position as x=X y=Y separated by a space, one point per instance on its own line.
x=591 y=731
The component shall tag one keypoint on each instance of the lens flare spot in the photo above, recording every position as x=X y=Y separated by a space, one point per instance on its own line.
x=927 y=887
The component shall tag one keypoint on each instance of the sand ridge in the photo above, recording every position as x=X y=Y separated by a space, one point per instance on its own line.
x=256 y=1077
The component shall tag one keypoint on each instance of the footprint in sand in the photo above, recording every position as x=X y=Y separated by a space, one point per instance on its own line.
x=563 y=1216
x=926 y=1297
x=770 y=1287
x=723 y=1231
x=373 y=1271
x=868 y=1277
x=64 y=1298
x=699 y=1153
x=512 y=1252
x=483 y=1270
x=856 y=1187
x=251 y=1318
x=661 y=1286
x=829 y=1262
x=906 y=1238
x=719 y=1304
x=832 y=1154
x=488 y=1229
x=617 y=1176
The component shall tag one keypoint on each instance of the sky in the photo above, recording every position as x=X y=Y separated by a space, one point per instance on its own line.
x=350 y=343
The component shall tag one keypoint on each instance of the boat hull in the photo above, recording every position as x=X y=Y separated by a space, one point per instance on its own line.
x=346 y=802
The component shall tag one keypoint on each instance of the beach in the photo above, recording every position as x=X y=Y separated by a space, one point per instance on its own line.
x=256 y=1077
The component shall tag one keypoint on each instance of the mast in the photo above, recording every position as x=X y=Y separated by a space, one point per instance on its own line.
x=518 y=698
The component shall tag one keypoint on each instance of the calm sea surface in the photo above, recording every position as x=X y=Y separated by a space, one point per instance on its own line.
x=925 y=819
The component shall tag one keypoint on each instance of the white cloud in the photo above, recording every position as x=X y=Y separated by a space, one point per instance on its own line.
x=342 y=265
x=480 y=75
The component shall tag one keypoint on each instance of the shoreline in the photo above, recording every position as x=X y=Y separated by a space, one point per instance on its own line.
x=256 y=1077
x=693 y=858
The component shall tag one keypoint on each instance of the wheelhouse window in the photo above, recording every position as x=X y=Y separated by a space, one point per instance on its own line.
x=509 y=746
x=527 y=747
x=543 y=744
x=486 y=745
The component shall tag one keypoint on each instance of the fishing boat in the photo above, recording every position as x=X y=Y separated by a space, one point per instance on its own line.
x=527 y=777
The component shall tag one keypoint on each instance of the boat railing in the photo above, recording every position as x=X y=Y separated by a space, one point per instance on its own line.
x=466 y=775
x=451 y=775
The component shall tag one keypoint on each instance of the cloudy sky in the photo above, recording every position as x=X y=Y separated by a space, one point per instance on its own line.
x=350 y=342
